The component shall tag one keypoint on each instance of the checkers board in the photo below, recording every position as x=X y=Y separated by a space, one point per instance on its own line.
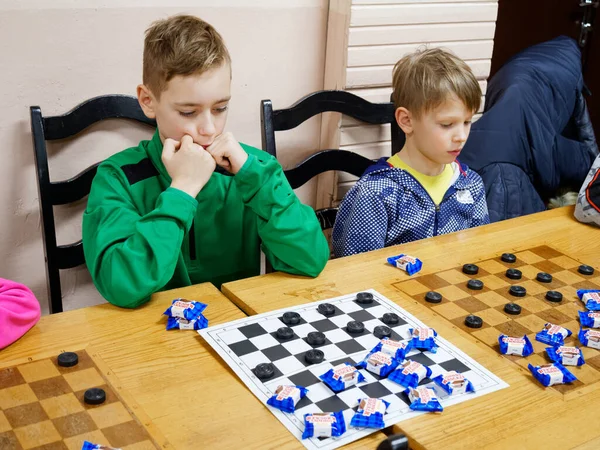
x=42 y=407
x=458 y=302
x=247 y=342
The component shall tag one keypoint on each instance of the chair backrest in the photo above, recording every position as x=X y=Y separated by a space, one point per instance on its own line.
x=326 y=160
x=58 y=257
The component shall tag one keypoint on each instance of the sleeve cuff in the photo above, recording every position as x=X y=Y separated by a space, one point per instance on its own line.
x=248 y=170
x=178 y=204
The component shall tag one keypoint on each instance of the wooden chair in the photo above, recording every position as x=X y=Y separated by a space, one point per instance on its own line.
x=331 y=159
x=51 y=193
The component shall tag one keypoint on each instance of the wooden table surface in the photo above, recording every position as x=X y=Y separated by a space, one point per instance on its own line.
x=178 y=381
x=525 y=415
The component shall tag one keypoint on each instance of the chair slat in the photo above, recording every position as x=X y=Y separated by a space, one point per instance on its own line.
x=92 y=111
x=326 y=160
x=73 y=189
x=332 y=101
x=70 y=255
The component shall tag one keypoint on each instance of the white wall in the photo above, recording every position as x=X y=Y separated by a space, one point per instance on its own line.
x=59 y=53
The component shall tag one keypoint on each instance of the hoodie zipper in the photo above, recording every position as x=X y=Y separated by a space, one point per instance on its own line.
x=437 y=207
x=192 y=241
x=451 y=190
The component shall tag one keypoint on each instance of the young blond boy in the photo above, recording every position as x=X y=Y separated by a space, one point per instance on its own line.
x=423 y=190
x=159 y=216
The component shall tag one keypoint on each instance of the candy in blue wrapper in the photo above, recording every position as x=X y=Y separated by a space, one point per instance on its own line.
x=553 y=334
x=551 y=374
x=379 y=363
x=409 y=264
x=423 y=399
x=589 y=319
x=410 y=373
x=324 y=425
x=590 y=298
x=89 y=446
x=515 y=346
x=567 y=356
x=590 y=338
x=286 y=398
x=454 y=383
x=423 y=339
x=185 y=309
x=177 y=323
x=396 y=349
x=341 y=377
x=370 y=413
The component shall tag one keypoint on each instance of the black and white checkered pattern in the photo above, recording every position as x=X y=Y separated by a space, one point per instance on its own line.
x=248 y=342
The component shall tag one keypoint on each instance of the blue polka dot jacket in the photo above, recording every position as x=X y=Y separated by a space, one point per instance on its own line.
x=388 y=206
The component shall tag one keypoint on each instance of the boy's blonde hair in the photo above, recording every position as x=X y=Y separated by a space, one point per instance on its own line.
x=424 y=79
x=180 y=45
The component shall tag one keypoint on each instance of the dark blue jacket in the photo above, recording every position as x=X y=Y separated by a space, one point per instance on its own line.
x=535 y=135
x=388 y=206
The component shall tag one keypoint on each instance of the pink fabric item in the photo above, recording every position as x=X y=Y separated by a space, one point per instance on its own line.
x=19 y=311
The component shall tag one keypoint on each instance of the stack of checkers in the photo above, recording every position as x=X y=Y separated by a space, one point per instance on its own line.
x=516 y=295
x=60 y=403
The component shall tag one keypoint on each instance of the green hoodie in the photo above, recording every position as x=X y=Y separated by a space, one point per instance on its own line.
x=141 y=236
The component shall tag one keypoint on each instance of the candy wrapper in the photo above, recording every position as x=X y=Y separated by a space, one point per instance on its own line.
x=379 y=363
x=590 y=338
x=423 y=399
x=454 y=383
x=410 y=374
x=553 y=334
x=89 y=446
x=185 y=309
x=589 y=319
x=177 y=323
x=396 y=349
x=551 y=374
x=515 y=346
x=286 y=398
x=567 y=356
x=370 y=413
x=409 y=264
x=341 y=377
x=323 y=425
x=590 y=298
x=423 y=339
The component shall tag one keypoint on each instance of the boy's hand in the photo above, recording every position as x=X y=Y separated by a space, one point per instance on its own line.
x=188 y=164
x=228 y=153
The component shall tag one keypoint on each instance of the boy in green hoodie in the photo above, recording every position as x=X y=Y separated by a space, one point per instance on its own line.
x=192 y=204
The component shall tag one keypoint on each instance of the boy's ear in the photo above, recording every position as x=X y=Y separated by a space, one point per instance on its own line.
x=404 y=120
x=146 y=100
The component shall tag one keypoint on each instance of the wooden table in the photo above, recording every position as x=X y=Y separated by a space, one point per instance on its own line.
x=187 y=391
x=521 y=416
